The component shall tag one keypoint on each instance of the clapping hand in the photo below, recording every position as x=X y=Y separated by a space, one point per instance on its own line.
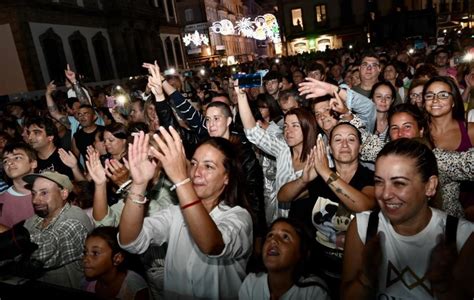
x=309 y=171
x=68 y=158
x=171 y=154
x=142 y=168
x=116 y=171
x=321 y=162
x=94 y=167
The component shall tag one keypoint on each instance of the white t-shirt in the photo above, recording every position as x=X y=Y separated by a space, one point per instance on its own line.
x=255 y=286
x=405 y=259
x=189 y=273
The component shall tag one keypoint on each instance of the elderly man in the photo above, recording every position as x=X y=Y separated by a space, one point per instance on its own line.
x=58 y=228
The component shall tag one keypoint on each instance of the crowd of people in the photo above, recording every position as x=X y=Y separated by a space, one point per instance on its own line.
x=344 y=175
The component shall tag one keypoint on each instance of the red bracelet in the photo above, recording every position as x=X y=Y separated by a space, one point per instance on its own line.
x=190 y=204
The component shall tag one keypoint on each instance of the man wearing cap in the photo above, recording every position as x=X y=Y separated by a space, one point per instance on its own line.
x=58 y=228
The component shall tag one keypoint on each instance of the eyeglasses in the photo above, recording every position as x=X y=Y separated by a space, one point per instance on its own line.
x=443 y=95
x=371 y=66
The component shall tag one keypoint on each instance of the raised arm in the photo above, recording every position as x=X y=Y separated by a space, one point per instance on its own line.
x=185 y=109
x=80 y=94
x=248 y=121
x=202 y=228
x=142 y=170
x=96 y=171
x=53 y=108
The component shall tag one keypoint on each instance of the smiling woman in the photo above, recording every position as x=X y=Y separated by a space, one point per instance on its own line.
x=209 y=234
x=409 y=231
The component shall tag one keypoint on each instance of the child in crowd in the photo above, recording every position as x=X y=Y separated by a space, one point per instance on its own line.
x=286 y=251
x=105 y=268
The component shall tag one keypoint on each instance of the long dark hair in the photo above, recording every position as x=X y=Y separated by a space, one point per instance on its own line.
x=458 y=109
x=234 y=192
x=308 y=127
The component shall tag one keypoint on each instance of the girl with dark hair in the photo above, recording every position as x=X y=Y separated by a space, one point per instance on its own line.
x=290 y=151
x=286 y=252
x=415 y=92
x=391 y=73
x=105 y=268
x=407 y=237
x=383 y=95
x=444 y=105
x=115 y=139
x=209 y=234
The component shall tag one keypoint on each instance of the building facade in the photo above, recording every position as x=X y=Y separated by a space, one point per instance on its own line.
x=197 y=16
x=101 y=40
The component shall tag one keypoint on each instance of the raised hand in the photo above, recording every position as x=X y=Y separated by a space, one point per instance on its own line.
x=70 y=75
x=50 y=88
x=116 y=171
x=142 y=168
x=94 y=167
x=171 y=154
x=338 y=105
x=312 y=88
x=309 y=170
x=68 y=158
x=155 y=80
x=321 y=163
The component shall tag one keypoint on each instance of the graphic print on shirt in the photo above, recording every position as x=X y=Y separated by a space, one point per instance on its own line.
x=407 y=277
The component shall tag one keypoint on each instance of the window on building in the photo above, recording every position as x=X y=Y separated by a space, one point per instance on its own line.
x=297 y=17
x=80 y=54
x=189 y=15
x=321 y=13
x=102 y=54
x=177 y=48
x=169 y=52
x=170 y=5
x=54 y=55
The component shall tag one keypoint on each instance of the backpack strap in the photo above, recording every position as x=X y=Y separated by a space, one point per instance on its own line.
x=372 y=225
x=451 y=229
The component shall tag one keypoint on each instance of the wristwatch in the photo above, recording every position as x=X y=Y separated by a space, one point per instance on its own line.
x=332 y=177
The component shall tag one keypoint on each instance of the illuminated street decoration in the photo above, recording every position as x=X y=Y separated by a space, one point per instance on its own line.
x=195 y=38
x=261 y=28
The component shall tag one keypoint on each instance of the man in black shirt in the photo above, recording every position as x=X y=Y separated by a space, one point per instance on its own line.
x=42 y=136
x=85 y=136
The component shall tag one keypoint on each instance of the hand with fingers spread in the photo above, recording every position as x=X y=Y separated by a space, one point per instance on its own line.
x=312 y=88
x=142 y=168
x=70 y=75
x=68 y=158
x=171 y=154
x=50 y=88
x=95 y=168
x=116 y=171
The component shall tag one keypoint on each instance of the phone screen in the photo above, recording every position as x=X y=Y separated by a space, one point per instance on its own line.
x=110 y=101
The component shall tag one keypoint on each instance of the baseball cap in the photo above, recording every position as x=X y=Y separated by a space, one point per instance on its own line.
x=60 y=179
